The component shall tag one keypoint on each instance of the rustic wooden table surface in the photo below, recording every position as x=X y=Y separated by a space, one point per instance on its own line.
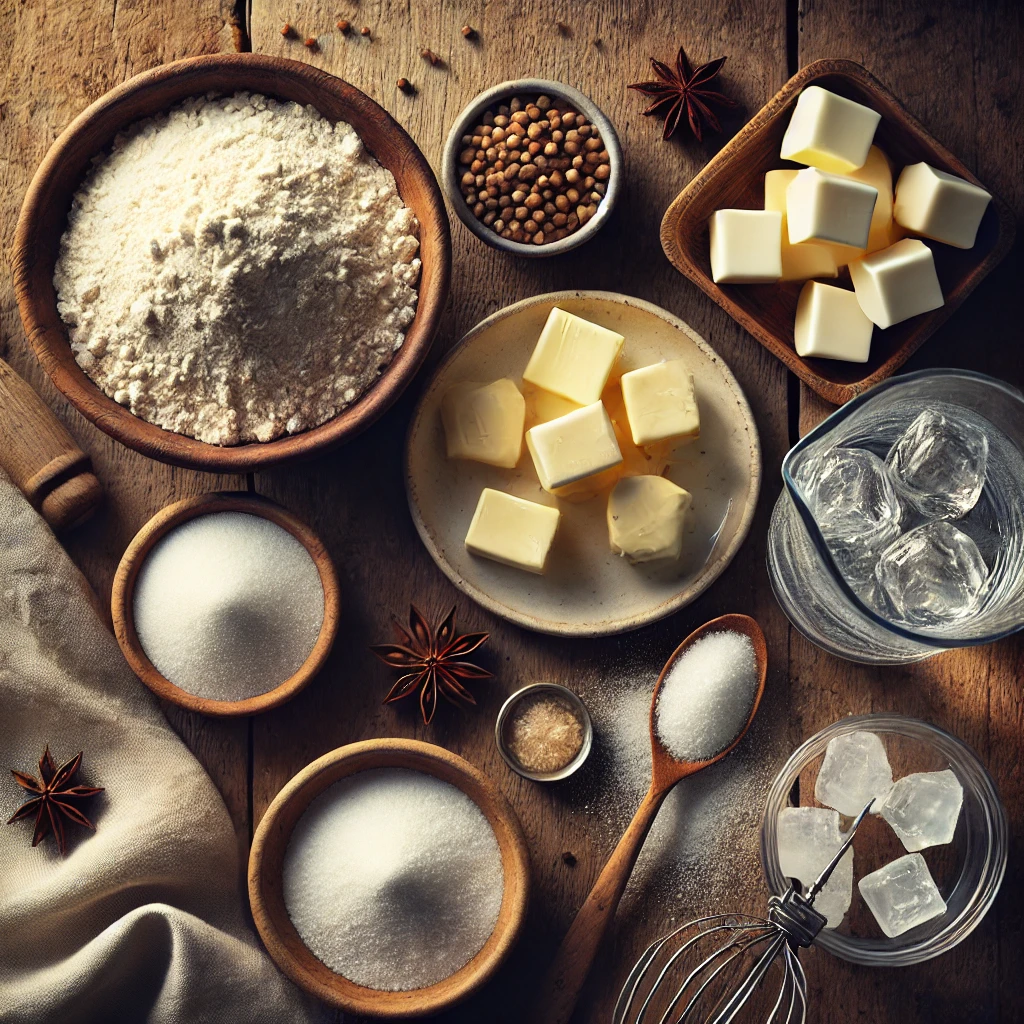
x=956 y=66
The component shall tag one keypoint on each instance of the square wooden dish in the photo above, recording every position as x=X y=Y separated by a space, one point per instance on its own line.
x=734 y=178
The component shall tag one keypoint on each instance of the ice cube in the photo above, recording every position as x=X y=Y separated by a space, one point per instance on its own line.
x=808 y=838
x=932 y=576
x=902 y=895
x=923 y=808
x=854 y=771
x=938 y=463
x=853 y=500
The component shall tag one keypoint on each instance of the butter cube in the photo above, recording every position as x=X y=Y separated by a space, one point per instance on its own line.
x=897 y=283
x=877 y=172
x=512 y=530
x=824 y=207
x=660 y=403
x=484 y=422
x=829 y=131
x=799 y=262
x=831 y=325
x=938 y=205
x=647 y=516
x=746 y=246
x=573 y=447
x=573 y=357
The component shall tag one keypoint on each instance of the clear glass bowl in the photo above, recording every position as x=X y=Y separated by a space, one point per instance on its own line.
x=967 y=871
x=807 y=583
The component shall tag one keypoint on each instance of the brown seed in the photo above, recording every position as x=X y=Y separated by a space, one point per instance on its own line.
x=309 y=41
x=533 y=201
x=479 y=210
x=538 y=239
x=559 y=220
x=287 y=31
x=489 y=218
x=344 y=26
x=592 y=145
x=468 y=32
x=568 y=119
x=533 y=112
x=433 y=58
x=468 y=178
x=365 y=31
x=602 y=172
x=544 y=102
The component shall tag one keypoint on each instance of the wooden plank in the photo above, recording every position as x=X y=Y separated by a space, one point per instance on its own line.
x=957 y=69
x=355 y=498
x=60 y=57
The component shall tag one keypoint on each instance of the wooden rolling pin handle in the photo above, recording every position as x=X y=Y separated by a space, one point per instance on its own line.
x=41 y=457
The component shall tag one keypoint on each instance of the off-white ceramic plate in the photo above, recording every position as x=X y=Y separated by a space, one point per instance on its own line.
x=587 y=590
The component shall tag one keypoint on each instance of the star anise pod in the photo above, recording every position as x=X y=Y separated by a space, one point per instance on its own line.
x=432 y=660
x=689 y=89
x=55 y=798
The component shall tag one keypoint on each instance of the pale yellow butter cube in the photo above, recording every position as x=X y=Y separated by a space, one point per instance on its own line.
x=746 y=246
x=573 y=357
x=897 y=283
x=829 y=131
x=660 y=403
x=799 y=262
x=647 y=517
x=831 y=325
x=877 y=172
x=512 y=530
x=484 y=422
x=573 y=446
x=829 y=208
x=938 y=205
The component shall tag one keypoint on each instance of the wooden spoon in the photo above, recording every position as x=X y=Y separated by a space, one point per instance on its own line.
x=579 y=948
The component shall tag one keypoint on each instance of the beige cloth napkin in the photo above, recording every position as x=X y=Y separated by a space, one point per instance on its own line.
x=143 y=920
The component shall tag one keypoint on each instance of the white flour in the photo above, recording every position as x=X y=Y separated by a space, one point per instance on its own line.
x=237 y=269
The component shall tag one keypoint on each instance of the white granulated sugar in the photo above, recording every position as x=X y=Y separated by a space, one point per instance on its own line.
x=237 y=269
x=393 y=879
x=706 y=699
x=228 y=605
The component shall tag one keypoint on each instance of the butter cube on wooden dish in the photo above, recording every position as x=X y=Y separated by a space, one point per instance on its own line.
x=746 y=246
x=647 y=517
x=573 y=447
x=660 y=403
x=484 y=422
x=512 y=530
x=829 y=131
x=897 y=283
x=804 y=260
x=831 y=325
x=573 y=358
x=938 y=205
x=829 y=208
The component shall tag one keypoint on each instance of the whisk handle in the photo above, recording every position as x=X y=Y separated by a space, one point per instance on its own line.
x=576 y=954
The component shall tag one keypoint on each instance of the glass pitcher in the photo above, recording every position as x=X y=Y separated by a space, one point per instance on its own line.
x=807 y=582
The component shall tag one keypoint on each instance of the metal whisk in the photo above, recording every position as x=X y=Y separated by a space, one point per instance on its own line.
x=716 y=964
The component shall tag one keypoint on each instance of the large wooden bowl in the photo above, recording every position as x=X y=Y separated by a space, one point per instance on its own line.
x=44 y=218
x=266 y=894
x=735 y=178
x=123 y=593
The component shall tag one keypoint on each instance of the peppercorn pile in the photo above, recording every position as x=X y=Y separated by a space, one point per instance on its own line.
x=535 y=171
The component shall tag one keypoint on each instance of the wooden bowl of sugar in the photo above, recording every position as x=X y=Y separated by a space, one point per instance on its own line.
x=400 y=864
x=234 y=598
x=44 y=219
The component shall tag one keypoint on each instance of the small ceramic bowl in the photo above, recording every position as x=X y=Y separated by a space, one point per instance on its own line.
x=266 y=894
x=469 y=118
x=123 y=592
x=968 y=871
x=577 y=705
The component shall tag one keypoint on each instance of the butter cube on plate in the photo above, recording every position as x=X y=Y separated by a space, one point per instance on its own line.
x=897 y=283
x=573 y=447
x=805 y=260
x=831 y=325
x=938 y=205
x=660 y=403
x=512 y=530
x=746 y=246
x=829 y=208
x=484 y=422
x=829 y=131
x=647 y=516
x=573 y=357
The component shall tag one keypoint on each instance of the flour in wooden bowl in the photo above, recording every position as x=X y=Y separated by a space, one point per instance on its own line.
x=237 y=269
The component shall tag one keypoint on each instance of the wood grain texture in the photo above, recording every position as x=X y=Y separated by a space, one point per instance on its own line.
x=355 y=497
x=59 y=56
x=956 y=68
